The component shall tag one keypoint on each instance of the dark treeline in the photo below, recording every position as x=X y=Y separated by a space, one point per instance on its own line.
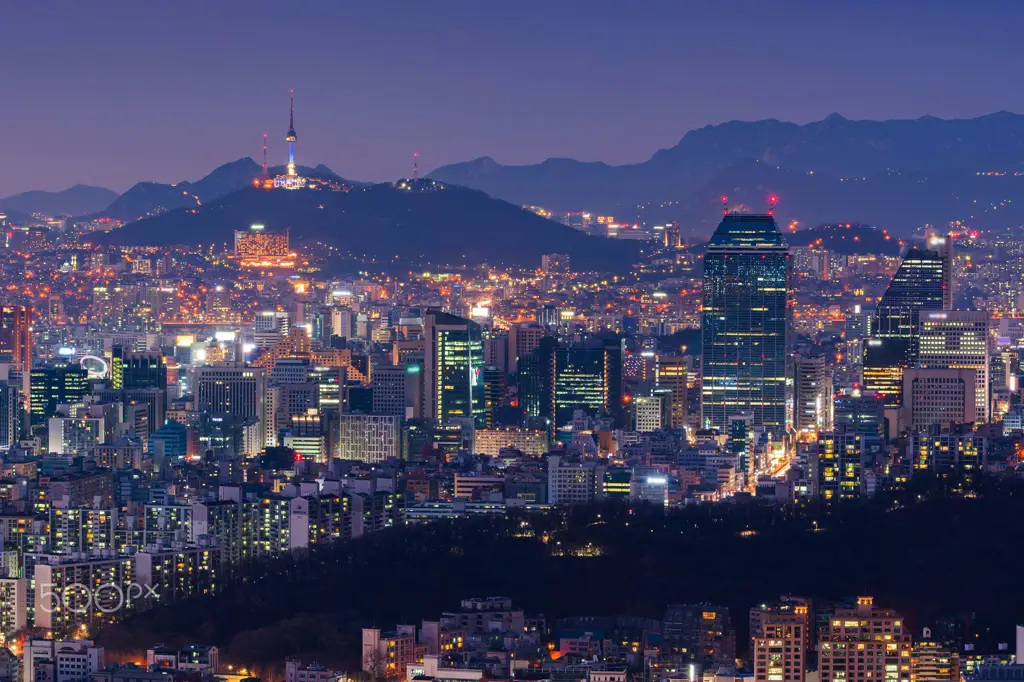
x=943 y=548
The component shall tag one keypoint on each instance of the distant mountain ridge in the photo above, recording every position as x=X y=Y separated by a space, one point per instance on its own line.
x=429 y=223
x=71 y=201
x=147 y=199
x=835 y=148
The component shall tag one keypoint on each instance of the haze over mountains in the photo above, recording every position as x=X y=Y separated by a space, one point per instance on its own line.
x=899 y=173
x=896 y=174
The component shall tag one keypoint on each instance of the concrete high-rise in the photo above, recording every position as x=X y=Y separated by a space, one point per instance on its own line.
x=745 y=323
x=865 y=643
x=671 y=372
x=938 y=397
x=958 y=339
x=16 y=334
x=812 y=395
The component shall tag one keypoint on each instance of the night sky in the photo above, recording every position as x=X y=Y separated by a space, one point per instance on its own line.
x=112 y=92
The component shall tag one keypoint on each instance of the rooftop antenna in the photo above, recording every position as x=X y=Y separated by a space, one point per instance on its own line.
x=265 y=155
x=415 y=166
x=772 y=200
x=725 y=205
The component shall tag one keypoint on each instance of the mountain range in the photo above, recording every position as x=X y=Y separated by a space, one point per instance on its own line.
x=899 y=173
x=72 y=201
x=421 y=221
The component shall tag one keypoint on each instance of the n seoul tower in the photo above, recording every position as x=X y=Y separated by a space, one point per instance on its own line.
x=290 y=137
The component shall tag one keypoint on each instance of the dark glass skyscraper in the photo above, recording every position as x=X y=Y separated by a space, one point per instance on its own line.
x=745 y=323
x=922 y=282
x=918 y=285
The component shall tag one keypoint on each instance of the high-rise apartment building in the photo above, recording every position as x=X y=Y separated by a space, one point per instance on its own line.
x=779 y=647
x=865 y=643
x=701 y=633
x=745 y=324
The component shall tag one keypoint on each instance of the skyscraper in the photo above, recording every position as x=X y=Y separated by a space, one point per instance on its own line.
x=958 y=339
x=453 y=362
x=812 y=395
x=920 y=283
x=745 y=323
x=16 y=334
x=671 y=372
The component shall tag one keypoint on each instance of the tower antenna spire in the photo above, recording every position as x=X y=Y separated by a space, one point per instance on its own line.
x=290 y=137
x=291 y=110
x=725 y=205
x=415 y=166
x=772 y=200
x=265 y=174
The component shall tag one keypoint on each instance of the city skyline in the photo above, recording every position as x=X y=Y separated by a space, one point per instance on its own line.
x=175 y=109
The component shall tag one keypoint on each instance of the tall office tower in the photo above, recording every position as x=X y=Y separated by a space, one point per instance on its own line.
x=858 y=324
x=701 y=632
x=394 y=389
x=865 y=643
x=59 y=383
x=649 y=412
x=494 y=394
x=10 y=417
x=238 y=392
x=671 y=373
x=523 y=339
x=938 y=397
x=919 y=284
x=745 y=323
x=453 y=360
x=812 y=396
x=537 y=384
x=943 y=246
x=16 y=334
x=779 y=646
x=589 y=378
x=958 y=339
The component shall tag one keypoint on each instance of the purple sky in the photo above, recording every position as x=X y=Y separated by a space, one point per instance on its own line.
x=113 y=92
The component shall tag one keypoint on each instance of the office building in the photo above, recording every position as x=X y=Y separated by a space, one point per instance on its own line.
x=920 y=284
x=812 y=396
x=859 y=412
x=938 y=397
x=394 y=389
x=237 y=392
x=16 y=334
x=368 y=437
x=59 y=383
x=527 y=441
x=55 y=660
x=588 y=377
x=651 y=412
x=574 y=482
x=134 y=370
x=671 y=372
x=10 y=415
x=745 y=323
x=523 y=339
x=453 y=360
x=958 y=339
x=865 y=643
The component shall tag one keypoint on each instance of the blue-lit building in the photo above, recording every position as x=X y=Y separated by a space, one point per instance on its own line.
x=171 y=441
x=745 y=323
